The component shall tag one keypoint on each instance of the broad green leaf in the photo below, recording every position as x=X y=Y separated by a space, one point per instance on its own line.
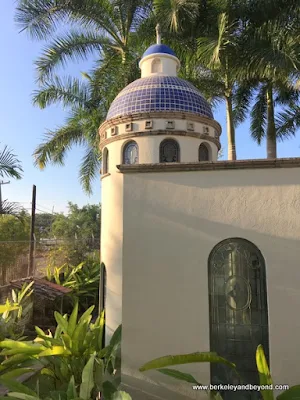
x=73 y=320
x=71 y=390
x=28 y=351
x=47 y=371
x=87 y=379
x=98 y=374
x=55 y=351
x=16 y=386
x=67 y=341
x=108 y=390
x=14 y=344
x=16 y=359
x=116 y=337
x=16 y=372
x=179 y=375
x=185 y=359
x=264 y=373
x=120 y=395
x=22 y=396
x=293 y=393
x=86 y=314
x=61 y=321
x=101 y=331
x=5 y=308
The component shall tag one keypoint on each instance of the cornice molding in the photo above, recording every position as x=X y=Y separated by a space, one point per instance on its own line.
x=211 y=166
x=160 y=115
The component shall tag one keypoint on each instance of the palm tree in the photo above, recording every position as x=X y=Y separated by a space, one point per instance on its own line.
x=253 y=49
x=271 y=51
x=10 y=167
x=211 y=32
x=112 y=30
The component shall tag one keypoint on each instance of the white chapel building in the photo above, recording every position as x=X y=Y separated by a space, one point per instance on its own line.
x=200 y=254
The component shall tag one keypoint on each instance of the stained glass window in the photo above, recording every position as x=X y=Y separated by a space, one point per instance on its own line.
x=131 y=155
x=203 y=152
x=169 y=151
x=238 y=312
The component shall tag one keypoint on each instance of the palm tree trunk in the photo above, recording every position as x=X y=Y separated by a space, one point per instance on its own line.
x=230 y=129
x=271 y=129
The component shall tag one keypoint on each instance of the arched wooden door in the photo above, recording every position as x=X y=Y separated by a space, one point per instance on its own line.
x=238 y=311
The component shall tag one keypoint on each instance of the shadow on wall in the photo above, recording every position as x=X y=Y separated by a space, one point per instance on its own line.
x=229 y=178
x=190 y=237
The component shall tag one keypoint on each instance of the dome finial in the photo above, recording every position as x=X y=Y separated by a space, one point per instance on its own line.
x=158 y=34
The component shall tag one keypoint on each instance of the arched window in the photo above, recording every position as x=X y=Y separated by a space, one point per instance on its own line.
x=156 y=66
x=131 y=153
x=169 y=151
x=203 y=152
x=238 y=310
x=105 y=161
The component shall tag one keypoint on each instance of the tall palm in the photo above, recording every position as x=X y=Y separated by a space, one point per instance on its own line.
x=272 y=54
x=10 y=167
x=211 y=31
x=111 y=30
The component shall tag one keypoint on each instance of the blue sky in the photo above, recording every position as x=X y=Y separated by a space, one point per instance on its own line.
x=23 y=126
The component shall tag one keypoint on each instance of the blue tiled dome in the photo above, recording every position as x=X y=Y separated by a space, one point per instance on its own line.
x=159 y=93
x=159 y=48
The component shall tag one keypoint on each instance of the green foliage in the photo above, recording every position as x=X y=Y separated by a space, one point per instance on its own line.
x=14 y=236
x=84 y=222
x=265 y=378
x=43 y=224
x=83 y=280
x=72 y=353
x=19 y=309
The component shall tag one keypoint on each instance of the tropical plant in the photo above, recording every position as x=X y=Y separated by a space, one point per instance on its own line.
x=265 y=379
x=272 y=62
x=86 y=390
x=110 y=30
x=83 y=279
x=66 y=353
x=13 y=321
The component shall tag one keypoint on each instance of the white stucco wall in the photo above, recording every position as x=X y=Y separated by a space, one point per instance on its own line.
x=169 y=65
x=171 y=222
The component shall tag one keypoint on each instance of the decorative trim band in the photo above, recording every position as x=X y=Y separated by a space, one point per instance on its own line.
x=133 y=135
x=211 y=166
x=160 y=115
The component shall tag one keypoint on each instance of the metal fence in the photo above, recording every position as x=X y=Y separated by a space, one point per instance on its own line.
x=14 y=256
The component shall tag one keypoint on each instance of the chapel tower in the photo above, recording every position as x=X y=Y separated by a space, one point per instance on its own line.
x=159 y=118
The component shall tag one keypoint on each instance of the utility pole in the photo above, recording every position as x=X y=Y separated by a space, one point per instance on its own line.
x=2 y=183
x=32 y=236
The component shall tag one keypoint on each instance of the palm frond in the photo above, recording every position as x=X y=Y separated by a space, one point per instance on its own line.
x=74 y=46
x=258 y=115
x=175 y=14
x=69 y=91
x=41 y=17
x=242 y=101
x=11 y=208
x=57 y=143
x=10 y=166
x=89 y=168
x=288 y=122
